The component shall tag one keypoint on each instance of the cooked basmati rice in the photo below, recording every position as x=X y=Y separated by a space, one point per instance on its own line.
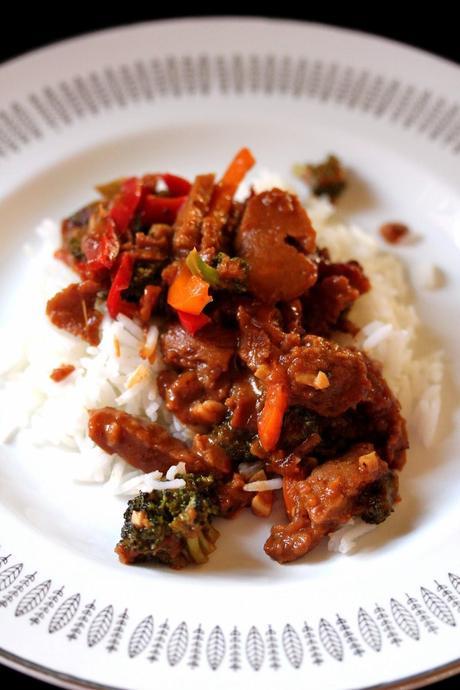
x=344 y=539
x=264 y=485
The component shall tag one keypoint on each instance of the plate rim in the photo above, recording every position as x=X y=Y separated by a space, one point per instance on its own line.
x=423 y=52
x=65 y=680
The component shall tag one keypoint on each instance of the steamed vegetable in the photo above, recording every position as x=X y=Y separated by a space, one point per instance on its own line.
x=327 y=177
x=188 y=293
x=271 y=418
x=173 y=527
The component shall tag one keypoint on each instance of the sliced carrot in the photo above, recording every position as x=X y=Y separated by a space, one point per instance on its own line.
x=243 y=161
x=271 y=417
x=188 y=293
x=222 y=198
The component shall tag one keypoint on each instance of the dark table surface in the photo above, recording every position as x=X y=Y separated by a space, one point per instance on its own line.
x=35 y=26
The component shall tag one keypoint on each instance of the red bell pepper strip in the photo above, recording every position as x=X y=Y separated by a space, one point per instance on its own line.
x=177 y=186
x=160 y=209
x=122 y=278
x=271 y=418
x=125 y=203
x=101 y=245
x=193 y=322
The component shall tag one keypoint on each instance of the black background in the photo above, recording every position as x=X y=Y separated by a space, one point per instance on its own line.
x=432 y=28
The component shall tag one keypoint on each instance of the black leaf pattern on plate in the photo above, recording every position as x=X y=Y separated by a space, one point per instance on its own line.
x=33 y=598
x=255 y=649
x=404 y=619
x=369 y=630
x=141 y=637
x=177 y=645
x=350 y=637
x=448 y=595
x=455 y=579
x=100 y=626
x=292 y=646
x=8 y=576
x=330 y=639
x=387 y=626
x=47 y=605
x=58 y=106
x=421 y=614
x=437 y=607
x=215 y=648
x=82 y=620
x=159 y=641
x=4 y=560
x=312 y=644
x=64 y=614
x=118 y=631
x=235 y=649
x=410 y=618
x=17 y=589
x=272 y=649
x=196 y=646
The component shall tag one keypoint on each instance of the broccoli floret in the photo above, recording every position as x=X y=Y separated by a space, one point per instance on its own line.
x=232 y=272
x=173 y=526
x=378 y=499
x=74 y=246
x=327 y=177
x=144 y=273
x=235 y=442
x=298 y=425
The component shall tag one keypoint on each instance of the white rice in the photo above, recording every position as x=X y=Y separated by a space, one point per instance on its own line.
x=264 y=485
x=122 y=370
x=344 y=539
x=390 y=328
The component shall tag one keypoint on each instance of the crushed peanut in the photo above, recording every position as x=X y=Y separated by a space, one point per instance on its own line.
x=140 y=520
x=369 y=461
x=262 y=371
x=208 y=412
x=321 y=381
x=305 y=379
x=258 y=476
x=318 y=381
x=262 y=503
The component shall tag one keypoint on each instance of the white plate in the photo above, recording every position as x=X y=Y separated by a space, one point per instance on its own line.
x=183 y=96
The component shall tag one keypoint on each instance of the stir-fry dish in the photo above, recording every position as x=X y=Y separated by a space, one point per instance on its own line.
x=248 y=308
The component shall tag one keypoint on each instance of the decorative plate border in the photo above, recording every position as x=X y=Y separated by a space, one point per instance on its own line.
x=47 y=605
x=60 y=105
x=44 y=604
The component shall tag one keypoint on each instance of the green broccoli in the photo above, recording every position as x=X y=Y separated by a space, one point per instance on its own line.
x=144 y=273
x=173 y=526
x=327 y=177
x=377 y=500
x=232 y=272
x=235 y=442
